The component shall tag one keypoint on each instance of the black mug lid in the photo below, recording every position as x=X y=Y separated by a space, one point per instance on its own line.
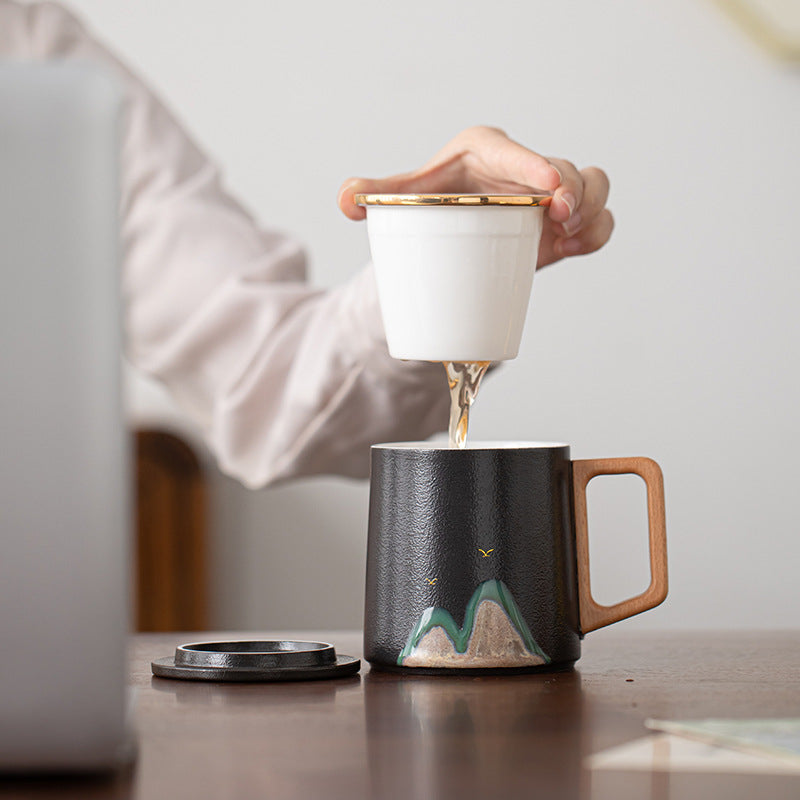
x=255 y=660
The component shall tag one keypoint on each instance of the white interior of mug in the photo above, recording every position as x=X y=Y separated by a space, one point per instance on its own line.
x=470 y=445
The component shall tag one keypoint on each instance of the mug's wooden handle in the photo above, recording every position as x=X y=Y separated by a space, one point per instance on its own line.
x=592 y=614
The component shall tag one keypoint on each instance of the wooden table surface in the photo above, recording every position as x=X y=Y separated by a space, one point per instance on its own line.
x=380 y=735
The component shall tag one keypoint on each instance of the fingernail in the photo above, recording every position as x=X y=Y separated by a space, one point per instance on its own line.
x=572 y=224
x=569 y=200
x=570 y=247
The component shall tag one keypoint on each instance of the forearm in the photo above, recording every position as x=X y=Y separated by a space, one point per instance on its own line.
x=313 y=394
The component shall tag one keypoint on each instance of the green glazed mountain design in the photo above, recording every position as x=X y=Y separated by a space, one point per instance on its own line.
x=493 y=590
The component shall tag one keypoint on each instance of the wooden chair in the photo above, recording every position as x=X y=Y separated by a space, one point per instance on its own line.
x=171 y=570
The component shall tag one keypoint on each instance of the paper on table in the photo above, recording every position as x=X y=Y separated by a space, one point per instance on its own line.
x=666 y=753
x=776 y=738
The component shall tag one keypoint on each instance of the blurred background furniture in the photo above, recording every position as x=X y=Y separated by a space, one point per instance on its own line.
x=171 y=522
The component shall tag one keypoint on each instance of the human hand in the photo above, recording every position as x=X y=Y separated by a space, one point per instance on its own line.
x=485 y=160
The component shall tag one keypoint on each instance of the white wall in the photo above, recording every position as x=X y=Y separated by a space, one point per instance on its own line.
x=678 y=341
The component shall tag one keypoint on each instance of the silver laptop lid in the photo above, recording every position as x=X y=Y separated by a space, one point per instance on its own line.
x=64 y=507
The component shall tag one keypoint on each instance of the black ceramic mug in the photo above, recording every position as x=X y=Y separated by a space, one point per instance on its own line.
x=479 y=558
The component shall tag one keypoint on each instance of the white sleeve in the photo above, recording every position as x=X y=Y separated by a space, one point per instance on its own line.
x=284 y=380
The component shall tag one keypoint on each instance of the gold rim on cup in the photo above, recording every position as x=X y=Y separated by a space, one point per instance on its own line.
x=453 y=199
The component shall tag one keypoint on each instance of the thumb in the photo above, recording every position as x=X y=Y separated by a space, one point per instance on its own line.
x=427 y=179
x=397 y=184
x=347 y=196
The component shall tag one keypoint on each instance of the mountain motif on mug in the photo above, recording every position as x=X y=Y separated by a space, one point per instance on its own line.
x=494 y=633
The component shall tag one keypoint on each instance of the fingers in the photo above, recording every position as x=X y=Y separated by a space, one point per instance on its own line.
x=590 y=237
x=589 y=189
x=595 y=195
x=490 y=152
x=568 y=197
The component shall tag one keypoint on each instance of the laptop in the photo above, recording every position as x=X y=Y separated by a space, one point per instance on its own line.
x=64 y=474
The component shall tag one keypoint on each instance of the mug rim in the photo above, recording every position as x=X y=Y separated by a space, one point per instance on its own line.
x=453 y=199
x=487 y=445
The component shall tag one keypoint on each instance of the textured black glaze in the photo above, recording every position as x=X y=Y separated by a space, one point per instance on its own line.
x=431 y=513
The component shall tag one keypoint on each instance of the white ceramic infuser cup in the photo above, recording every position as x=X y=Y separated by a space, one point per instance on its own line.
x=454 y=272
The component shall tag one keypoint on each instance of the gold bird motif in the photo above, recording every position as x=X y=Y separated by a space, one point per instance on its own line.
x=431 y=582
x=486 y=553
